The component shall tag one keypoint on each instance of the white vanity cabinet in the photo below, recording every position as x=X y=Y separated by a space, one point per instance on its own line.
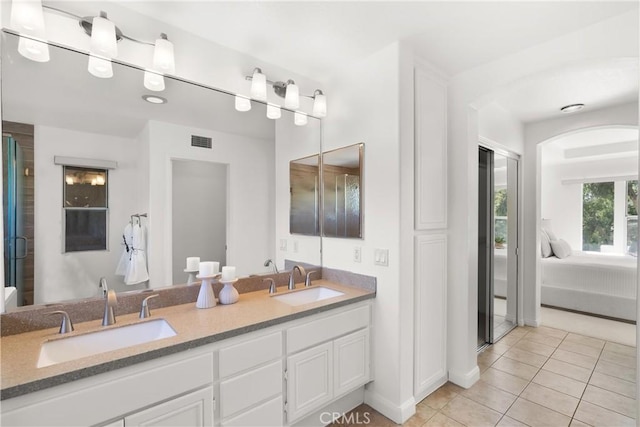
x=253 y=379
x=336 y=363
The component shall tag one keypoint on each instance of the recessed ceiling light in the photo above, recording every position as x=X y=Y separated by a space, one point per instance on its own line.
x=572 y=108
x=154 y=99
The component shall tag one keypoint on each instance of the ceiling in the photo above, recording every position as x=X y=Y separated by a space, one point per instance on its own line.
x=591 y=145
x=318 y=38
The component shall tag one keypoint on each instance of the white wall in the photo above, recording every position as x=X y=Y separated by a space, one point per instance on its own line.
x=468 y=92
x=250 y=201
x=360 y=114
x=292 y=142
x=562 y=203
x=73 y=275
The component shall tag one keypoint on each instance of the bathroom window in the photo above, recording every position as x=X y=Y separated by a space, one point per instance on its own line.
x=85 y=209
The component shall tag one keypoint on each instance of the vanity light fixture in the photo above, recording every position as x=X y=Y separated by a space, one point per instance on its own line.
x=259 y=85
x=291 y=94
x=154 y=99
x=572 y=108
x=27 y=18
x=243 y=103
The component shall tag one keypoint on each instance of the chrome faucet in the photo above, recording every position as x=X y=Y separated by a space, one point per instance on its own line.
x=270 y=262
x=272 y=287
x=111 y=301
x=144 y=309
x=307 y=281
x=103 y=286
x=65 y=326
x=292 y=283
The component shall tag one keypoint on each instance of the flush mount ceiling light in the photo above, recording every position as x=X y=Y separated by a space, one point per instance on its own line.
x=27 y=18
x=572 y=108
x=287 y=90
x=154 y=99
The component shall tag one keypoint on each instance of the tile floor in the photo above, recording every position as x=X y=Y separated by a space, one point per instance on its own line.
x=537 y=377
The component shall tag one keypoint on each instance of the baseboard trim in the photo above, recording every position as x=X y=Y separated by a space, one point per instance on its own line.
x=465 y=379
x=532 y=322
x=331 y=412
x=398 y=414
x=421 y=394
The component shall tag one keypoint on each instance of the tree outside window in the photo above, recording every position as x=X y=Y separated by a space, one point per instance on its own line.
x=597 y=215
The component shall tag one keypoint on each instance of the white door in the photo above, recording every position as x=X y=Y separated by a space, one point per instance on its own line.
x=191 y=410
x=310 y=380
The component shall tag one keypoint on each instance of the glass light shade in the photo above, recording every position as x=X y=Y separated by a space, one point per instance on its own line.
x=100 y=180
x=292 y=97
x=320 y=105
x=69 y=180
x=163 y=59
x=153 y=81
x=103 y=38
x=243 y=103
x=100 y=67
x=273 y=111
x=259 y=86
x=300 y=119
x=34 y=50
x=27 y=17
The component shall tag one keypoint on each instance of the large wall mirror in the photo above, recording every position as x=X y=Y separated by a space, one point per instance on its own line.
x=212 y=181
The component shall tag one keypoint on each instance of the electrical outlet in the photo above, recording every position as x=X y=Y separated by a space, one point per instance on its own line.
x=283 y=245
x=357 y=254
x=381 y=257
x=295 y=246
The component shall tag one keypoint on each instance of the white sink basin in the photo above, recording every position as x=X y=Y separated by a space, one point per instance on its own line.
x=71 y=348
x=307 y=295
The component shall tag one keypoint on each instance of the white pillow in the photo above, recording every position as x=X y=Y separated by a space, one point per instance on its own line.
x=561 y=248
x=551 y=234
x=545 y=245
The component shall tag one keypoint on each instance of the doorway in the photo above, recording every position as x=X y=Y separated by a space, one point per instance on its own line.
x=497 y=244
x=199 y=217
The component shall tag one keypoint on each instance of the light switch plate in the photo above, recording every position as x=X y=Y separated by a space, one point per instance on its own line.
x=295 y=246
x=381 y=257
x=357 y=254
x=283 y=244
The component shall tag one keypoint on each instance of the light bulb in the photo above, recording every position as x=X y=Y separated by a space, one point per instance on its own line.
x=300 y=119
x=292 y=96
x=69 y=180
x=100 y=180
x=34 y=50
x=259 y=85
x=103 y=37
x=273 y=111
x=94 y=181
x=153 y=81
x=100 y=67
x=27 y=17
x=319 y=104
x=163 y=58
x=243 y=103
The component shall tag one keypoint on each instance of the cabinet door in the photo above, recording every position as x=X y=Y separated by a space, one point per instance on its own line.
x=310 y=380
x=194 y=409
x=351 y=361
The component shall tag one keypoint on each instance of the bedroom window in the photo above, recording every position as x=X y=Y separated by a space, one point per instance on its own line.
x=631 y=217
x=500 y=217
x=597 y=215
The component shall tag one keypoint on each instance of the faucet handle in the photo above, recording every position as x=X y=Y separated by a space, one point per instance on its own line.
x=144 y=310
x=272 y=286
x=307 y=281
x=65 y=326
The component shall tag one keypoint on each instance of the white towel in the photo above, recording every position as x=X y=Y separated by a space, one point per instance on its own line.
x=137 y=271
x=123 y=264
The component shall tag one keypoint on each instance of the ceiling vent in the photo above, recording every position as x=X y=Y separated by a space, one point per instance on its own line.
x=200 y=141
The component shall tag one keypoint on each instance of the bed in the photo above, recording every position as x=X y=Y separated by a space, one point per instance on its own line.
x=591 y=282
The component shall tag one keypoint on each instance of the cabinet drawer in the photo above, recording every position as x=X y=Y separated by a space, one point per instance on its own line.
x=246 y=355
x=193 y=410
x=317 y=331
x=250 y=388
x=266 y=415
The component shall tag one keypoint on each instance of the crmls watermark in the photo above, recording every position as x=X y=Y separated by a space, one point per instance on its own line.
x=353 y=418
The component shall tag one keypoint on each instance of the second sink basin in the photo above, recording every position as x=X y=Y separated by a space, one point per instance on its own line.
x=78 y=346
x=307 y=295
